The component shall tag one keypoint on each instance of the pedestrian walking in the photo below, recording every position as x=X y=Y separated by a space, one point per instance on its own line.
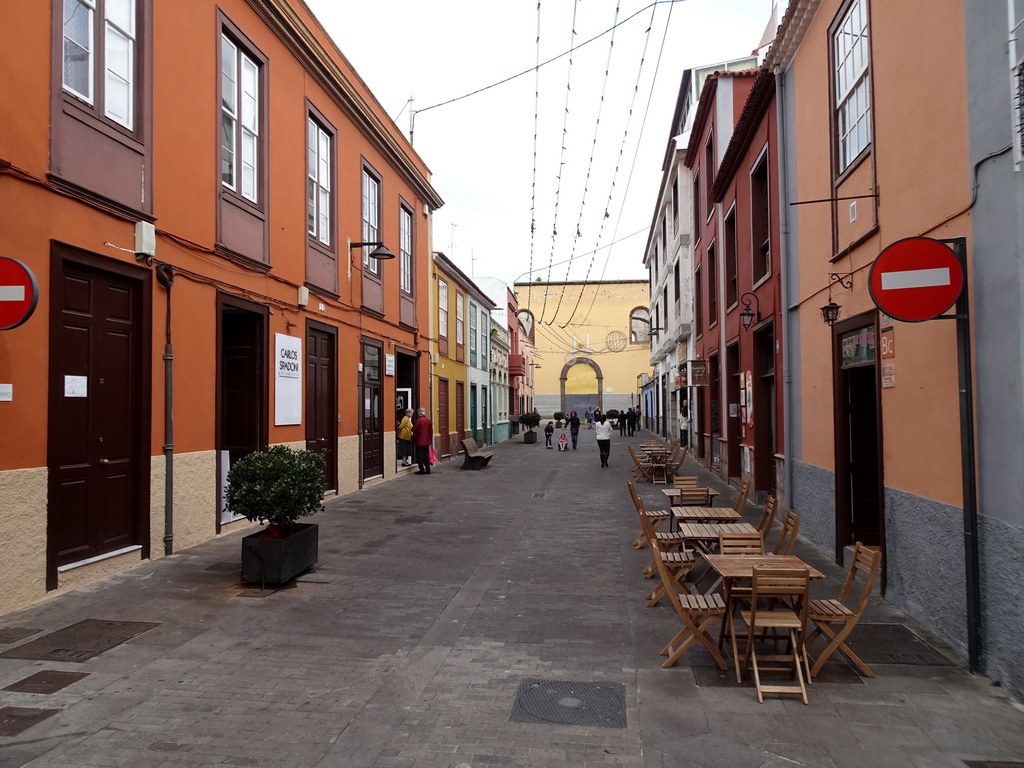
x=405 y=438
x=574 y=428
x=422 y=437
x=588 y=416
x=631 y=420
x=549 y=433
x=604 y=439
x=622 y=423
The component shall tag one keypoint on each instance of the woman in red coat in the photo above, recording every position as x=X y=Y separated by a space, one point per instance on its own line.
x=422 y=436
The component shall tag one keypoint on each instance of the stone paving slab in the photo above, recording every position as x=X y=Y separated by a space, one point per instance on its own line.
x=434 y=598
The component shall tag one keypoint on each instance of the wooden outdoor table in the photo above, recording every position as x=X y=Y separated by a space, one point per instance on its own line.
x=673 y=493
x=731 y=567
x=706 y=515
x=702 y=534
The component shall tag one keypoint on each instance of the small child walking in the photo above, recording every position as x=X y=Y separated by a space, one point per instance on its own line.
x=549 y=432
x=563 y=443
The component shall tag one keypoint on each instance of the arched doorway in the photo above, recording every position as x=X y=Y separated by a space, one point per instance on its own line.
x=582 y=384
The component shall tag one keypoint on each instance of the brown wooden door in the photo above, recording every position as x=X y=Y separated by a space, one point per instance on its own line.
x=242 y=383
x=373 y=430
x=460 y=414
x=442 y=418
x=99 y=416
x=321 y=400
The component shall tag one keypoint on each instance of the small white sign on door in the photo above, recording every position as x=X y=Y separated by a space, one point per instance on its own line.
x=76 y=386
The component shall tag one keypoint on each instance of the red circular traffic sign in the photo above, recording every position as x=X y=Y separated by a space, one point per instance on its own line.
x=19 y=293
x=915 y=279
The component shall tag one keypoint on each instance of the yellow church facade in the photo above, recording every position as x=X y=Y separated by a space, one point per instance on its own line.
x=591 y=342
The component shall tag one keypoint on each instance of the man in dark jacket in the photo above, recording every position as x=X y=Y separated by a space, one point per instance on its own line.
x=631 y=420
x=574 y=428
x=422 y=436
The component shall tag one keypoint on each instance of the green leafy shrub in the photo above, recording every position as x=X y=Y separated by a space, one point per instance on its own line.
x=529 y=420
x=278 y=486
x=559 y=415
x=612 y=414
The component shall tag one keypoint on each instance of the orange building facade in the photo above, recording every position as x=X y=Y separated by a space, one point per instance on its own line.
x=186 y=185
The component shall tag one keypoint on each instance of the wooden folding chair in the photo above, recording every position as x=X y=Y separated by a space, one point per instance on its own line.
x=668 y=549
x=685 y=481
x=643 y=466
x=787 y=538
x=822 y=613
x=696 y=611
x=655 y=516
x=731 y=543
x=693 y=497
x=677 y=461
x=771 y=504
x=741 y=498
x=790 y=586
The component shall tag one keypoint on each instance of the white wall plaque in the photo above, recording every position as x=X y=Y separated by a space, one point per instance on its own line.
x=76 y=386
x=287 y=380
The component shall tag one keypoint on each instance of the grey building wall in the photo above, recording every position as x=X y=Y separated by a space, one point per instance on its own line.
x=997 y=298
x=814 y=499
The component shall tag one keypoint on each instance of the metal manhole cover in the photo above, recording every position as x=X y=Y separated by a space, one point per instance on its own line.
x=80 y=641
x=893 y=644
x=16 y=720
x=47 y=681
x=568 y=703
x=14 y=634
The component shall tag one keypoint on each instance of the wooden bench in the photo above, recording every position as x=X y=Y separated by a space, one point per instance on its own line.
x=475 y=458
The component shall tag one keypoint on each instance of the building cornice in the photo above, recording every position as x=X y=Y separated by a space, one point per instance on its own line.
x=282 y=18
x=792 y=30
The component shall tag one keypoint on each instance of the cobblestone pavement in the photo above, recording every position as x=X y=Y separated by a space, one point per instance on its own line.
x=435 y=597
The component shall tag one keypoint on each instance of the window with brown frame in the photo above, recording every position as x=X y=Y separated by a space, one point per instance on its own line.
x=101 y=98
x=698 y=303
x=760 y=221
x=321 y=227
x=712 y=287
x=731 y=265
x=696 y=208
x=709 y=170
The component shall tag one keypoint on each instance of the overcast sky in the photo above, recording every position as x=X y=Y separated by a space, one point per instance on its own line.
x=587 y=185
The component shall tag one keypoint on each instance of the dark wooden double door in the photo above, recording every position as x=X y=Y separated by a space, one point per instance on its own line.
x=99 y=409
x=322 y=399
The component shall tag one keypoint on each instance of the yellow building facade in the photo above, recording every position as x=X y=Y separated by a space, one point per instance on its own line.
x=591 y=342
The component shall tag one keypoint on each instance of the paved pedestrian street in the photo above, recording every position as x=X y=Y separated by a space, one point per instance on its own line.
x=459 y=619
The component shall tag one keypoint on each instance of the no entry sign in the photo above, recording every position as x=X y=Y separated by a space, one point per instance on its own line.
x=915 y=279
x=19 y=293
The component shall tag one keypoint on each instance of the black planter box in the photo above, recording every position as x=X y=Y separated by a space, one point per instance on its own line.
x=529 y=437
x=276 y=561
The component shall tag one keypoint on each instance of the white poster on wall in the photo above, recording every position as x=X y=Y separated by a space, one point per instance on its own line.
x=287 y=380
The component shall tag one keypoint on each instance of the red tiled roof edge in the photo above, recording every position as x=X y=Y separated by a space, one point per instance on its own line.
x=758 y=101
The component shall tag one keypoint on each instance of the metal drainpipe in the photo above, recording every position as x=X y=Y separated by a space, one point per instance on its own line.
x=784 y=272
x=165 y=276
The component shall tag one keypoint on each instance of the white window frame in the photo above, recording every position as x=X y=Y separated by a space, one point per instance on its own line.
x=120 y=19
x=319 y=166
x=460 y=318
x=485 y=323
x=371 y=219
x=442 y=309
x=242 y=114
x=473 y=335
x=852 y=83
x=405 y=249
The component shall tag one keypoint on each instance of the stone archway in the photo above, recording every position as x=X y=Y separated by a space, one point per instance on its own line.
x=565 y=375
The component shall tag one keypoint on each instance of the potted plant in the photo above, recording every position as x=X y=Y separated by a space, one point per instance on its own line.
x=559 y=415
x=612 y=414
x=529 y=420
x=277 y=486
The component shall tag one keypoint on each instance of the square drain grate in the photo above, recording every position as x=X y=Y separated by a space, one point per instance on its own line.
x=16 y=720
x=15 y=634
x=713 y=677
x=80 y=641
x=47 y=681
x=567 y=703
x=893 y=644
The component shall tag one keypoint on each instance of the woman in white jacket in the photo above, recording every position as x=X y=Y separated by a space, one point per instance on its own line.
x=604 y=438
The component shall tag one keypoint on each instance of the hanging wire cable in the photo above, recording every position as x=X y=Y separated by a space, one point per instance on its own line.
x=533 y=186
x=590 y=162
x=549 y=61
x=615 y=173
x=561 y=158
x=636 y=152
